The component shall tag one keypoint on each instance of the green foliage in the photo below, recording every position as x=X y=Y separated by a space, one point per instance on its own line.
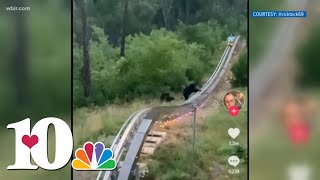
x=236 y=25
x=240 y=72
x=156 y=60
x=153 y=64
x=176 y=167
x=103 y=60
x=159 y=61
x=308 y=60
x=209 y=34
x=109 y=14
x=145 y=15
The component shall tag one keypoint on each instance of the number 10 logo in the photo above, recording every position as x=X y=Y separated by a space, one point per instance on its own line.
x=35 y=143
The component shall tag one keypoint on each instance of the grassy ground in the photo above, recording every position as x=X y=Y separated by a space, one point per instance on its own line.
x=97 y=123
x=173 y=160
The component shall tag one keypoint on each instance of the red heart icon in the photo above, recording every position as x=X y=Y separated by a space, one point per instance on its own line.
x=30 y=141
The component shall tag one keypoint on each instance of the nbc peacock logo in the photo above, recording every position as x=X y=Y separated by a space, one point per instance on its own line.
x=94 y=157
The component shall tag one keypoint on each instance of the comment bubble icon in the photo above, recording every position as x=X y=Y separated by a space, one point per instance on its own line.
x=234 y=161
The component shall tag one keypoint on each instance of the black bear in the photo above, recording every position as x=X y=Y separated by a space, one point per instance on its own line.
x=166 y=97
x=189 y=90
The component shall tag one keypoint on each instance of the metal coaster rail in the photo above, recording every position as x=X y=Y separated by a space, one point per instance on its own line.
x=130 y=138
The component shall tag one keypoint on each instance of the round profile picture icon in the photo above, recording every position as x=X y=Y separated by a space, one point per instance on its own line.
x=233 y=99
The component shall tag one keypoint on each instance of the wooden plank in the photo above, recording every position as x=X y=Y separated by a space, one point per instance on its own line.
x=148 y=150
x=157 y=133
x=156 y=140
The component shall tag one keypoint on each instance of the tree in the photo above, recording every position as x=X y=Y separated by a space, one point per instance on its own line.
x=85 y=71
x=187 y=11
x=166 y=7
x=124 y=28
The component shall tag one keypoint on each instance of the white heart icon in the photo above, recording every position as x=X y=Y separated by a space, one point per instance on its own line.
x=234 y=132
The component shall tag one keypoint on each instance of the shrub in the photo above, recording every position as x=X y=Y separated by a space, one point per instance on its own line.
x=240 y=72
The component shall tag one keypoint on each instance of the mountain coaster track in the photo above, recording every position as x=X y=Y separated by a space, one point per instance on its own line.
x=132 y=135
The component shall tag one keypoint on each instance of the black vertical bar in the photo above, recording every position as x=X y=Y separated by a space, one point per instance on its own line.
x=193 y=140
x=248 y=89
